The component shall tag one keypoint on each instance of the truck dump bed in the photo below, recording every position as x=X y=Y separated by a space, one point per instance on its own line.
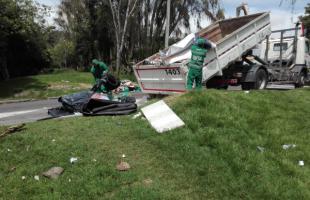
x=165 y=72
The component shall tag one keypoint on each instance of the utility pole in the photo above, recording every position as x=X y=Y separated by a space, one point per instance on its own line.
x=167 y=23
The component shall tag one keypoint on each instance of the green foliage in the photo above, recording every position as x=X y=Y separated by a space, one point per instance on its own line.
x=62 y=53
x=214 y=156
x=22 y=38
x=306 y=19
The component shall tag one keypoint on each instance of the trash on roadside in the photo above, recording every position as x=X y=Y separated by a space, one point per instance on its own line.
x=123 y=166
x=123 y=156
x=53 y=173
x=161 y=117
x=301 y=163
x=23 y=177
x=12 y=129
x=36 y=177
x=12 y=169
x=73 y=160
x=261 y=149
x=288 y=146
x=137 y=115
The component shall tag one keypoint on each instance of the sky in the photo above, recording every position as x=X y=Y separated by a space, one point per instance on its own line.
x=281 y=16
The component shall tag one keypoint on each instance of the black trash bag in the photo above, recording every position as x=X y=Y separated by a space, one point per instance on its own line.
x=109 y=81
x=59 y=112
x=75 y=102
x=96 y=107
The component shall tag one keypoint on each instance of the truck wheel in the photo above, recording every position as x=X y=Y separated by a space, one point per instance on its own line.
x=301 y=79
x=261 y=80
x=260 y=83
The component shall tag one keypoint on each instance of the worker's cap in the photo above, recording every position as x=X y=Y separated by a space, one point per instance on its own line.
x=201 y=41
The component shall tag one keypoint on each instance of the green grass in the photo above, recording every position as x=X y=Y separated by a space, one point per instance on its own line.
x=46 y=85
x=214 y=156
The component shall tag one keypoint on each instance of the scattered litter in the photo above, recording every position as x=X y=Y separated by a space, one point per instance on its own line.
x=123 y=156
x=12 y=129
x=123 y=166
x=36 y=177
x=9 y=150
x=148 y=181
x=288 y=146
x=137 y=115
x=53 y=140
x=12 y=169
x=73 y=160
x=261 y=149
x=161 y=117
x=53 y=172
x=23 y=177
x=301 y=163
x=94 y=160
x=247 y=92
x=69 y=180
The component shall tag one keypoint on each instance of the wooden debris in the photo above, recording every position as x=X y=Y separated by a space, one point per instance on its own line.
x=12 y=129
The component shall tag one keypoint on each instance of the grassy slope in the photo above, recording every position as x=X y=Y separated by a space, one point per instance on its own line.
x=214 y=156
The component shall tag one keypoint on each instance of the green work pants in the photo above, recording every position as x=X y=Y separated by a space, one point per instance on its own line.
x=194 y=75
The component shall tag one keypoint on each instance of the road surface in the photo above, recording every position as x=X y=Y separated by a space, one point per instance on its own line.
x=24 y=112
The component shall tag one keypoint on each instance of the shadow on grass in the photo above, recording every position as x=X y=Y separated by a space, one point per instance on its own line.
x=13 y=87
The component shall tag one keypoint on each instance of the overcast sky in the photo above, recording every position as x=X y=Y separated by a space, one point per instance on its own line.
x=281 y=16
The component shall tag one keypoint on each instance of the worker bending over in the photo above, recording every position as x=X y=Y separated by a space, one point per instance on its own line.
x=199 y=50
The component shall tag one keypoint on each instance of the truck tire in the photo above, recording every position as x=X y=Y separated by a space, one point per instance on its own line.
x=261 y=80
x=301 y=79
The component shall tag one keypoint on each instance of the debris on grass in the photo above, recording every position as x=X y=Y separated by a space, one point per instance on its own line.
x=23 y=177
x=137 y=115
x=148 y=182
x=73 y=160
x=12 y=169
x=261 y=149
x=53 y=140
x=53 y=173
x=36 y=177
x=123 y=166
x=9 y=150
x=12 y=129
x=288 y=146
x=94 y=160
x=247 y=92
x=301 y=163
x=161 y=117
x=123 y=156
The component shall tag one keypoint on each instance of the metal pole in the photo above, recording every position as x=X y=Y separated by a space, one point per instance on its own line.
x=167 y=24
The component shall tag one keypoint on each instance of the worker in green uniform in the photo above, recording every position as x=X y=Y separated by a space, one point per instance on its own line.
x=99 y=70
x=199 y=50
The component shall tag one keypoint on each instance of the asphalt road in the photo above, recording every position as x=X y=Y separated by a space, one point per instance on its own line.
x=24 y=112
x=31 y=111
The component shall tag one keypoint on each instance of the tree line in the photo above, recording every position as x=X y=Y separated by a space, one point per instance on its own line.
x=118 y=32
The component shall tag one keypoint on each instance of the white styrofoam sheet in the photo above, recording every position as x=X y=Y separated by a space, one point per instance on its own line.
x=161 y=117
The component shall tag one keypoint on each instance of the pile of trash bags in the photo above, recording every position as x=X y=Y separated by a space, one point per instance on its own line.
x=90 y=103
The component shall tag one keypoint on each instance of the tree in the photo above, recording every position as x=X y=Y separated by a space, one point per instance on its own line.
x=22 y=38
x=120 y=26
x=306 y=19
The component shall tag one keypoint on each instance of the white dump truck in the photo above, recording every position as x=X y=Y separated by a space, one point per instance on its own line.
x=230 y=63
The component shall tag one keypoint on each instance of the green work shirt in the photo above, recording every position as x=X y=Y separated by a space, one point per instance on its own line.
x=198 y=57
x=99 y=72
